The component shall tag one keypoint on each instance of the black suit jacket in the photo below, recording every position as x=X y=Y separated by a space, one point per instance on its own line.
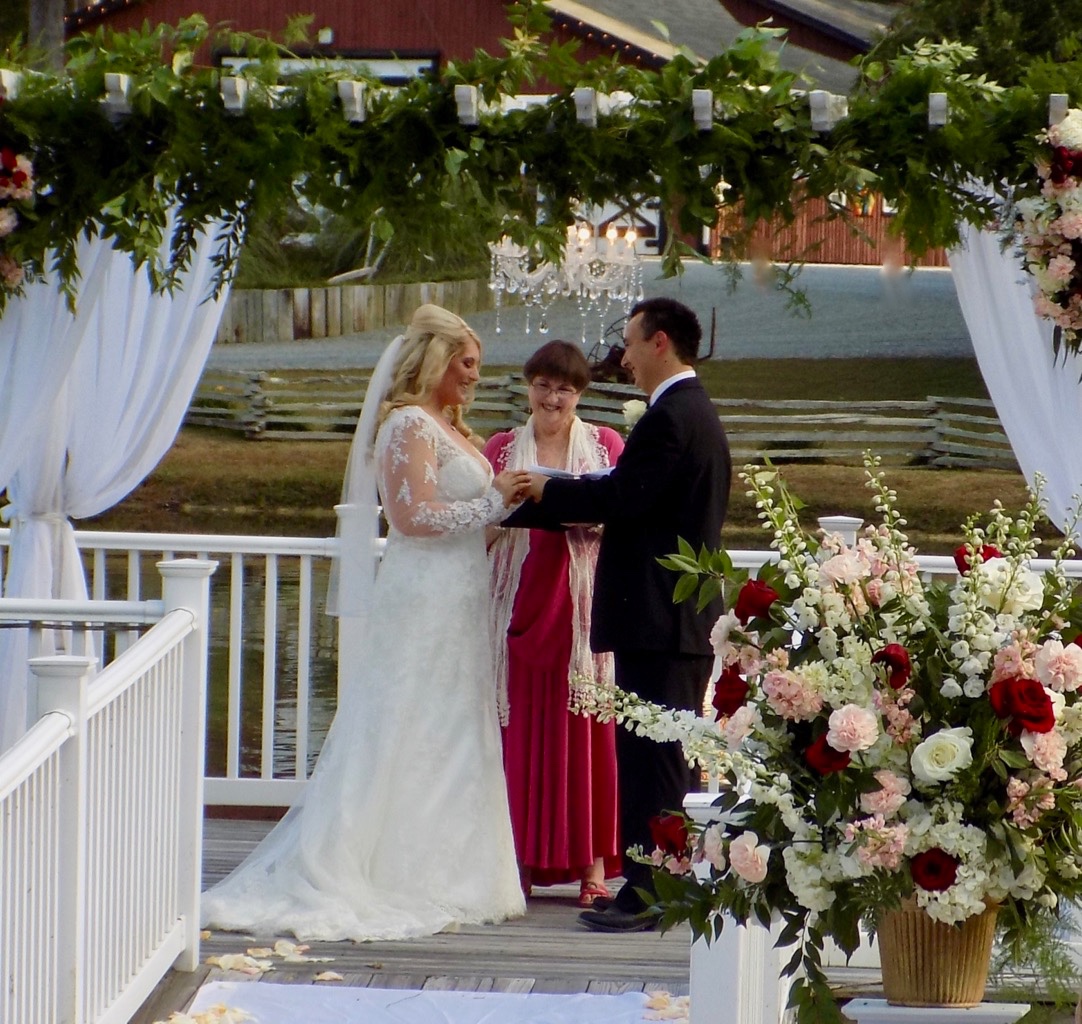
x=672 y=480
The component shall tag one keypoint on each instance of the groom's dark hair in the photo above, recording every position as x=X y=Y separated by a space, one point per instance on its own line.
x=676 y=320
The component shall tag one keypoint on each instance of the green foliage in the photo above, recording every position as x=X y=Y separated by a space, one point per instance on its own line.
x=1005 y=34
x=438 y=190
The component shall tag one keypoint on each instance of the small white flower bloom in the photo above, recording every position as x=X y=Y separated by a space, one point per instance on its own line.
x=949 y=688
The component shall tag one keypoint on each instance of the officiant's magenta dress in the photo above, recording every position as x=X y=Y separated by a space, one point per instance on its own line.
x=560 y=766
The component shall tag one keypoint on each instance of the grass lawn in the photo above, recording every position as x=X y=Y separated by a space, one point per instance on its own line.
x=212 y=481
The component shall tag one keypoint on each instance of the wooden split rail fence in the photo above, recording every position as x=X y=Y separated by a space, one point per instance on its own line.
x=939 y=431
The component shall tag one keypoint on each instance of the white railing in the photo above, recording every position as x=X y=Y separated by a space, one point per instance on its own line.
x=101 y=811
x=273 y=653
x=268 y=638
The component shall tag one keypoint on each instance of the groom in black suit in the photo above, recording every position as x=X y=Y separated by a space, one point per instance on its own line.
x=671 y=481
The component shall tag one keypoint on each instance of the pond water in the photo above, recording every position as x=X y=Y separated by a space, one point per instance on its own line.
x=323 y=661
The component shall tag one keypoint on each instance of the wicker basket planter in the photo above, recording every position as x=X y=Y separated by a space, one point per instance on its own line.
x=926 y=963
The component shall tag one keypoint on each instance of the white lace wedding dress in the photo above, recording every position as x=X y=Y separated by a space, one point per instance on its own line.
x=404 y=826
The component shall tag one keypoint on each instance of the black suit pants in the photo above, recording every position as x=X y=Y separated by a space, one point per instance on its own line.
x=653 y=777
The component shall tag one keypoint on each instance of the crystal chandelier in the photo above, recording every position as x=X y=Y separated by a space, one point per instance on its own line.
x=597 y=273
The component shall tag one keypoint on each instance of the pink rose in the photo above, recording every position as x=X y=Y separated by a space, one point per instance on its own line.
x=852 y=728
x=748 y=858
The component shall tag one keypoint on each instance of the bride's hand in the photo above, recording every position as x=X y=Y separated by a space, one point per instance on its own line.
x=512 y=485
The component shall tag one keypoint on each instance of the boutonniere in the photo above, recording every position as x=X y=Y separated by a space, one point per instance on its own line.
x=633 y=411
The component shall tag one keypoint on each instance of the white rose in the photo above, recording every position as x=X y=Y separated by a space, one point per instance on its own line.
x=633 y=411
x=943 y=754
x=1068 y=132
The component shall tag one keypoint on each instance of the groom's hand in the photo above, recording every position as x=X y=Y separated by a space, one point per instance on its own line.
x=536 y=485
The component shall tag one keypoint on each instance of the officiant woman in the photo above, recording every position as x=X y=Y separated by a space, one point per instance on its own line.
x=560 y=762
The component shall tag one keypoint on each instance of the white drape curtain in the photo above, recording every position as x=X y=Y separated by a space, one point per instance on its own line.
x=130 y=374
x=1038 y=398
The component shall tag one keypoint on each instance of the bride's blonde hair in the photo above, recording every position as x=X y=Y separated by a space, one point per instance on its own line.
x=434 y=337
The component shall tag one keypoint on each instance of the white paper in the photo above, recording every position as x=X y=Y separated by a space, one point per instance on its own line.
x=563 y=474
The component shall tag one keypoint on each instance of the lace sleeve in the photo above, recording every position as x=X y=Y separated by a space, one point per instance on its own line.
x=409 y=471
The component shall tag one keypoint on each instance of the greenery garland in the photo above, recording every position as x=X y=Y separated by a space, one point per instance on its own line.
x=181 y=150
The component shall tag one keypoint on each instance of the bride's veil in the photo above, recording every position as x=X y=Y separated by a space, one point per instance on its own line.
x=353 y=572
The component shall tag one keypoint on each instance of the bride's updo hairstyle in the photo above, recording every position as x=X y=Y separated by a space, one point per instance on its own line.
x=434 y=337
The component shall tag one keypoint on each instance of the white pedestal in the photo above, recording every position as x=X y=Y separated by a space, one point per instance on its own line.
x=737 y=978
x=879 y=1011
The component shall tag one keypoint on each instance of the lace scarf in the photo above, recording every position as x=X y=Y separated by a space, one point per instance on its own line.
x=590 y=675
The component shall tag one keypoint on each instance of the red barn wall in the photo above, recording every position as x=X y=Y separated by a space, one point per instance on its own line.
x=453 y=31
x=812 y=238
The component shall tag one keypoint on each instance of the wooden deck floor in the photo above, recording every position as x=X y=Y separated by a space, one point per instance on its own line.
x=546 y=951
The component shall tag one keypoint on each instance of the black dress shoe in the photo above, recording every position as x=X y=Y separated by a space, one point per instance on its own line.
x=603 y=902
x=613 y=919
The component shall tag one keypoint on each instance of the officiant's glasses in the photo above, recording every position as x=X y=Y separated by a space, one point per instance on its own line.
x=544 y=388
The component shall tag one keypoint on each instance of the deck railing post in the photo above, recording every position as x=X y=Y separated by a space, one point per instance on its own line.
x=186 y=584
x=60 y=684
x=846 y=526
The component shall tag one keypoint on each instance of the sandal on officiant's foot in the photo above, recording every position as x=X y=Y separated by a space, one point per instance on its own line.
x=590 y=891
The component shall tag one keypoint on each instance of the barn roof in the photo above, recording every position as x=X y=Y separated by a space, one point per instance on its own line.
x=705 y=27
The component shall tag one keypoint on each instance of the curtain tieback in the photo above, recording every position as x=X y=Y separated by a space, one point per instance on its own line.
x=11 y=514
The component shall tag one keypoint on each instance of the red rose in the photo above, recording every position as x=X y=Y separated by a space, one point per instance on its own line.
x=1025 y=702
x=670 y=833
x=8 y=158
x=824 y=759
x=730 y=692
x=1064 y=165
x=896 y=660
x=754 y=600
x=986 y=554
x=934 y=869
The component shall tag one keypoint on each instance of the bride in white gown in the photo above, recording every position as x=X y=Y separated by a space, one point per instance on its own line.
x=404 y=827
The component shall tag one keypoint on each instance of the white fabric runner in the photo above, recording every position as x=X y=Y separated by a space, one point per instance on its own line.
x=329 y=1003
x=1038 y=399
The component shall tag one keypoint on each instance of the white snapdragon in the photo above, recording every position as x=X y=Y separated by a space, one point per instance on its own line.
x=828 y=643
x=974 y=686
x=1006 y=587
x=949 y=688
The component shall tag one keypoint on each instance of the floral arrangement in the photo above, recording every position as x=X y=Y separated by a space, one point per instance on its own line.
x=1048 y=229
x=16 y=197
x=880 y=737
